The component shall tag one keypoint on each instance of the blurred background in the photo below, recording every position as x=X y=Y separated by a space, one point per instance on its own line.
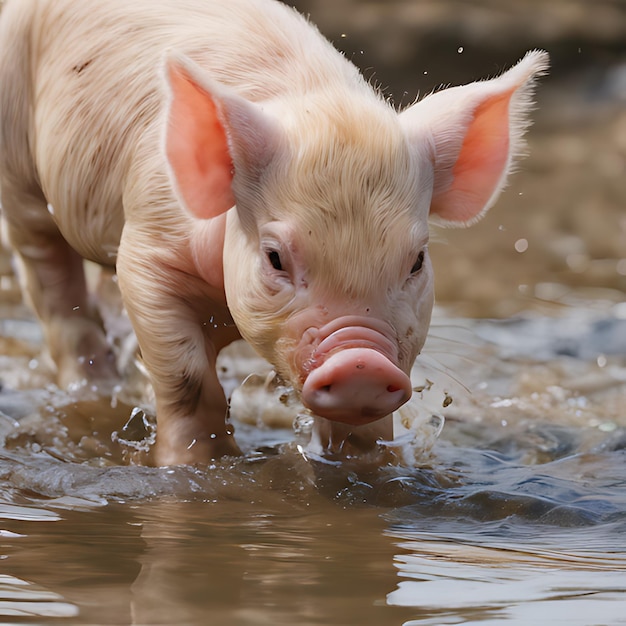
x=558 y=233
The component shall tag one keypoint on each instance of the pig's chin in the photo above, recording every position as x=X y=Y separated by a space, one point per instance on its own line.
x=352 y=419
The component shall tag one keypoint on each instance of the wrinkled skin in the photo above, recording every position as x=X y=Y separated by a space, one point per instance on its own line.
x=244 y=180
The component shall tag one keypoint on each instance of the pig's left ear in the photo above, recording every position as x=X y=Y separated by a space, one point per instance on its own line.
x=211 y=132
x=475 y=132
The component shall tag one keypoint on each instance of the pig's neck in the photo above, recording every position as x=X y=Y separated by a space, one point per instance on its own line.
x=207 y=251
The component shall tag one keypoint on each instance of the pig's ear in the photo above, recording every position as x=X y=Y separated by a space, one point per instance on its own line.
x=475 y=132
x=211 y=133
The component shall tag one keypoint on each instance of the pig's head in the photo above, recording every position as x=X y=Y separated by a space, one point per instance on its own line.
x=326 y=265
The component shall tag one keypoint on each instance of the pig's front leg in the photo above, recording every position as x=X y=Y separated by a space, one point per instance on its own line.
x=181 y=326
x=54 y=277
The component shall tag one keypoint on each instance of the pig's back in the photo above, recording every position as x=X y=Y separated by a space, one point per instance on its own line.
x=96 y=92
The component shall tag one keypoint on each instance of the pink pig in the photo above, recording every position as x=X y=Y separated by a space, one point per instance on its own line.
x=244 y=180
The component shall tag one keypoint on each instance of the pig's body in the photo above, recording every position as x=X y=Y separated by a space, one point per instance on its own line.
x=322 y=263
x=89 y=120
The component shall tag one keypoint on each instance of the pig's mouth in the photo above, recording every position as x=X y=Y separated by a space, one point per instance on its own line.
x=349 y=371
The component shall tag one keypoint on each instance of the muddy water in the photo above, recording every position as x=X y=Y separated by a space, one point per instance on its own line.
x=514 y=514
x=504 y=502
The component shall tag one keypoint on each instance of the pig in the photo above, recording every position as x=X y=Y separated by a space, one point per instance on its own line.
x=244 y=180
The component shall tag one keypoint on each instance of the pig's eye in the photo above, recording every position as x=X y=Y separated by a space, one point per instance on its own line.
x=417 y=266
x=274 y=259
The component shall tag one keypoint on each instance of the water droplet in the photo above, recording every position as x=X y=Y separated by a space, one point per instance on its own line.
x=521 y=245
x=607 y=427
x=502 y=403
x=303 y=424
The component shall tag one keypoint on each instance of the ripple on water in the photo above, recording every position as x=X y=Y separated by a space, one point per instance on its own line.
x=510 y=450
x=22 y=599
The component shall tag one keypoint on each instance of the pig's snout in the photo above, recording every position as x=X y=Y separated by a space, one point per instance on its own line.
x=356 y=386
x=356 y=381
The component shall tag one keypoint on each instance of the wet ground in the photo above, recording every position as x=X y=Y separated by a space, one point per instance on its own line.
x=504 y=502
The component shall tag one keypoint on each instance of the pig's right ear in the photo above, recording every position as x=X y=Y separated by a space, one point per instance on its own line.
x=211 y=133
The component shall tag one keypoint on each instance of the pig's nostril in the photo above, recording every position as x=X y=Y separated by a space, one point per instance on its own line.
x=325 y=388
x=393 y=388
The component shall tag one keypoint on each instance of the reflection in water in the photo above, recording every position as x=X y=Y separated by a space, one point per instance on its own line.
x=508 y=582
x=177 y=562
x=21 y=599
x=269 y=566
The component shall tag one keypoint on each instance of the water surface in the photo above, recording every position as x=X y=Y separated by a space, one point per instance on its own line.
x=515 y=514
